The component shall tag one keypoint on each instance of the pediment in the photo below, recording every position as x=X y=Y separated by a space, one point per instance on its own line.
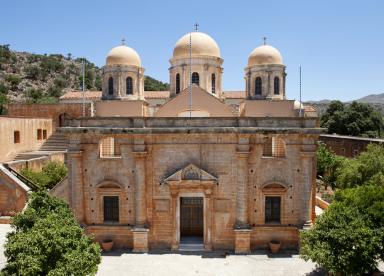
x=190 y=173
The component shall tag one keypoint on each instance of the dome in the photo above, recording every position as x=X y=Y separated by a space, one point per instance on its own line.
x=265 y=54
x=202 y=45
x=123 y=55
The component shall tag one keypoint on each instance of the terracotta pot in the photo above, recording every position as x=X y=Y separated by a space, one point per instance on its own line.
x=274 y=246
x=107 y=245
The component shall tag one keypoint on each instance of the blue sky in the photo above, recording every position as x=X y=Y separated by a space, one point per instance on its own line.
x=339 y=44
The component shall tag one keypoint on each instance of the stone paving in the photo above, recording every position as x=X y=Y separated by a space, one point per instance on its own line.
x=206 y=264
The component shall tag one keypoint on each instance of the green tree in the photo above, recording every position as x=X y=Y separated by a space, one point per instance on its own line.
x=356 y=119
x=348 y=238
x=47 y=240
x=4 y=89
x=151 y=84
x=366 y=169
x=328 y=164
x=3 y=101
x=13 y=80
x=34 y=72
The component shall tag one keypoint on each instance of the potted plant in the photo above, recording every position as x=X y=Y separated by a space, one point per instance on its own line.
x=274 y=246
x=107 y=245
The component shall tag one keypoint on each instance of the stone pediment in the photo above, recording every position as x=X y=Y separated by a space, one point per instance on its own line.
x=191 y=173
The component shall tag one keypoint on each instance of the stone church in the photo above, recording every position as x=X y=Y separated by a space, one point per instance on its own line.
x=194 y=170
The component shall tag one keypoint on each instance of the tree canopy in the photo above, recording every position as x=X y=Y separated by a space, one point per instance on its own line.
x=51 y=174
x=47 y=240
x=356 y=119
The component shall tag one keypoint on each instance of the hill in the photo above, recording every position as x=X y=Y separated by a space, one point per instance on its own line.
x=28 y=77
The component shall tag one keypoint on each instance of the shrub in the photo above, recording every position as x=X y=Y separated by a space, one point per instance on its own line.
x=51 y=174
x=13 y=80
x=47 y=240
x=33 y=72
x=3 y=101
x=328 y=164
x=34 y=95
x=4 y=89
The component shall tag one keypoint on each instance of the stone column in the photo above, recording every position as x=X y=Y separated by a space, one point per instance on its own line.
x=76 y=184
x=208 y=216
x=307 y=187
x=242 y=228
x=175 y=237
x=140 y=231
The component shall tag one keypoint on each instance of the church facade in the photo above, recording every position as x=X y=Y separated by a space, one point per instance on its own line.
x=203 y=173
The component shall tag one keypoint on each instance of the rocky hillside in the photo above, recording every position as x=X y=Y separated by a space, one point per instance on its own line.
x=27 y=77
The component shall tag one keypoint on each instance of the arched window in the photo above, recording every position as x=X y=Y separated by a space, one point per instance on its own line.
x=108 y=148
x=177 y=83
x=276 y=86
x=195 y=78
x=274 y=147
x=129 y=86
x=213 y=83
x=110 y=86
x=258 y=86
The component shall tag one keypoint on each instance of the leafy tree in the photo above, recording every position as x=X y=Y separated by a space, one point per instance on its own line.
x=34 y=72
x=34 y=95
x=366 y=169
x=348 y=238
x=13 y=80
x=328 y=164
x=4 y=89
x=150 y=84
x=51 y=174
x=47 y=240
x=5 y=54
x=357 y=119
x=51 y=64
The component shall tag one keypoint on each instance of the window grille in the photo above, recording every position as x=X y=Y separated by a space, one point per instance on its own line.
x=213 y=84
x=274 y=147
x=111 y=209
x=16 y=137
x=272 y=209
x=258 y=86
x=177 y=83
x=108 y=148
x=276 y=87
x=195 y=78
x=110 y=86
x=39 y=134
x=129 y=86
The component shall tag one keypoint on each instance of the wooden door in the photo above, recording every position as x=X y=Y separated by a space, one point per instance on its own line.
x=191 y=216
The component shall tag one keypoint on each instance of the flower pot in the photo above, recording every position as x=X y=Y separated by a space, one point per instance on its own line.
x=107 y=245
x=274 y=246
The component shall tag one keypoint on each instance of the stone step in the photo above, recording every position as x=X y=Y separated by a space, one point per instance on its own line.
x=191 y=247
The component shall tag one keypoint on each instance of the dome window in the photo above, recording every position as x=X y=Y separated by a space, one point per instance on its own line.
x=129 y=86
x=213 y=84
x=195 y=78
x=258 y=86
x=276 y=86
x=177 y=83
x=110 y=86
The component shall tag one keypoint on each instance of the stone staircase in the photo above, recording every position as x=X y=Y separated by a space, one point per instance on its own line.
x=56 y=142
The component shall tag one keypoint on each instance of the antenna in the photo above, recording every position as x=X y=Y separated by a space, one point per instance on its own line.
x=190 y=73
x=300 y=111
x=123 y=41
x=83 y=85
x=265 y=40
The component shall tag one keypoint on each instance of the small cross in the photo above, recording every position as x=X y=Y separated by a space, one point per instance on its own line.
x=123 y=41
x=265 y=40
x=196 y=26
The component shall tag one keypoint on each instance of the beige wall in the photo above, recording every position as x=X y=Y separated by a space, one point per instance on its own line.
x=28 y=135
x=263 y=108
x=121 y=108
x=201 y=101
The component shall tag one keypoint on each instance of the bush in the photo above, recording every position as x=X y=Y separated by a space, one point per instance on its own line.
x=348 y=238
x=47 y=240
x=51 y=174
x=51 y=64
x=13 y=80
x=3 y=101
x=34 y=95
x=33 y=72
x=4 y=89
x=328 y=164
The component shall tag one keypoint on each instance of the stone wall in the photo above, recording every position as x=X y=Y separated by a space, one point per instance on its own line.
x=28 y=141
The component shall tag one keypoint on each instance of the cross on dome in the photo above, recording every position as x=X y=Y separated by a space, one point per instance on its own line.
x=123 y=41
x=196 y=27
x=265 y=40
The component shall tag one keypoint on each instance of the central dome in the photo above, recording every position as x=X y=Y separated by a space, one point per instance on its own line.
x=123 y=55
x=202 y=45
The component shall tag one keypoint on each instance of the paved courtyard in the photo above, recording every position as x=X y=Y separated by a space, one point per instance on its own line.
x=125 y=263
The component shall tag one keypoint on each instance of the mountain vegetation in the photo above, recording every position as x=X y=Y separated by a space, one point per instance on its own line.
x=35 y=78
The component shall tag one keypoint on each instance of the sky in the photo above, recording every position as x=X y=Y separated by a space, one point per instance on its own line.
x=338 y=43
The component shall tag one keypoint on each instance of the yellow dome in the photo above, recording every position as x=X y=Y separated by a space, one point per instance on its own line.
x=202 y=45
x=265 y=54
x=123 y=55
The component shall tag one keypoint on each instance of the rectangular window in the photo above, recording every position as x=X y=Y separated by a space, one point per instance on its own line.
x=44 y=134
x=272 y=209
x=39 y=134
x=16 y=137
x=111 y=209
